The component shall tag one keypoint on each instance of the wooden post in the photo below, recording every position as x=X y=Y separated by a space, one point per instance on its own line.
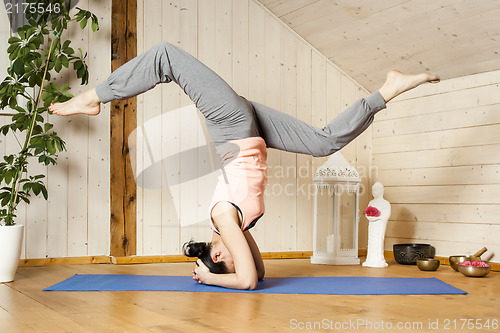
x=123 y=122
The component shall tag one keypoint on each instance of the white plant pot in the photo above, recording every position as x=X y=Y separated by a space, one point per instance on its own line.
x=11 y=240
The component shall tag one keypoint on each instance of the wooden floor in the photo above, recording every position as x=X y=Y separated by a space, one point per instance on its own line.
x=24 y=307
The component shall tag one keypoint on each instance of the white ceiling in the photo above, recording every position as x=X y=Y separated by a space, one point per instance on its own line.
x=366 y=38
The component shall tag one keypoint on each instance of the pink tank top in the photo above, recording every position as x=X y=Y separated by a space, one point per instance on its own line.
x=243 y=179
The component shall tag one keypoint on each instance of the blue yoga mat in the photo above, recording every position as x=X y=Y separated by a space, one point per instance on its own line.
x=282 y=285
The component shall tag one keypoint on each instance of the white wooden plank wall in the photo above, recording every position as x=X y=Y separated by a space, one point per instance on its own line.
x=75 y=219
x=266 y=62
x=436 y=151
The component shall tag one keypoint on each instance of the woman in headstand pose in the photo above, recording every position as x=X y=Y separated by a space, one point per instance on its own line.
x=241 y=131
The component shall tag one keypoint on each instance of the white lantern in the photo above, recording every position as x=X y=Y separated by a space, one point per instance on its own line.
x=336 y=216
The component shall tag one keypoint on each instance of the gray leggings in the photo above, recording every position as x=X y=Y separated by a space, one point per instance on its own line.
x=230 y=116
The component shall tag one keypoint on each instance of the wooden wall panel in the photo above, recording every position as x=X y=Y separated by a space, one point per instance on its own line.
x=304 y=207
x=171 y=99
x=436 y=150
x=265 y=62
x=152 y=218
x=363 y=165
x=188 y=138
x=288 y=180
x=75 y=219
x=256 y=72
x=98 y=142
x=272 y=84
x=137 y=153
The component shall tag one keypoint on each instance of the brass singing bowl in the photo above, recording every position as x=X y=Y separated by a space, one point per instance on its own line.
x=428 y=264
x=457 y=260
x=474 y=271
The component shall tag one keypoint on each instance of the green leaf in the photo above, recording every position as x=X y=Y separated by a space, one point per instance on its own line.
x=80 y=15
x=47 y=96
x=31 y=46
x=48 y=127
x=44 y=192
x=95 y=26
x=5 y=201
x=64 y=61
x=21 y=33
x=78 y=64
x=60 y=144
x=58 y=65
x=5 y=129
x=8 y=176
x=13 y=40
x=19 y=109
x=4 y=194
x=51 y=147
x=52 y=87
x=25 y=199
x=37 y=129
x=29 y=57
x=27 y=188
x=13 y=48
x=18 y=67
x=36 y=188
x=80 y=72
x=32 y=81
x=9 y=159
x=18 y=117
x=65 y=97
x=83 y=23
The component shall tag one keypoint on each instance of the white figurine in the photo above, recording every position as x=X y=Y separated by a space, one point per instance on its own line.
x=377 y=227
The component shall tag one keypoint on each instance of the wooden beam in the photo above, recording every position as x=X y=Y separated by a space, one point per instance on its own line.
x=64 y=261
x=180 y=258
x=123 y=122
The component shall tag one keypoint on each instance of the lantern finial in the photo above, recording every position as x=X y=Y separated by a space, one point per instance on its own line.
x=336 y=169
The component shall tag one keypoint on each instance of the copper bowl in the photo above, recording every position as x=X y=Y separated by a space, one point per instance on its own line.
x=456 y=260
x=474 y=271
x=428 y=264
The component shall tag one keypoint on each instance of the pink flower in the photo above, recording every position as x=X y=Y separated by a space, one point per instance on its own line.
x=475 y=263
x=372 y=211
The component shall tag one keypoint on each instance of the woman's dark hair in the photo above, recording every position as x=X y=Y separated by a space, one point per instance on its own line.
x=202 y=251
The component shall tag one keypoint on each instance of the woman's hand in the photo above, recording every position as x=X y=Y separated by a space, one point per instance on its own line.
x=201 y=273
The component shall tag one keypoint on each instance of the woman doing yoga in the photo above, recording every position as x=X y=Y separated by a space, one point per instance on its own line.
x=242 y=131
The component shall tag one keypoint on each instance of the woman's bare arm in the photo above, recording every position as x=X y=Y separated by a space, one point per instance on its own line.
x=257 y=257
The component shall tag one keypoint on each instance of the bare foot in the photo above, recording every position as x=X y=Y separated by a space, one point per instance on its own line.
x=397 y=83
x=86 y=103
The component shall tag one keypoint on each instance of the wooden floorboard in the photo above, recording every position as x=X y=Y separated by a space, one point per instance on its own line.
x=24 y=307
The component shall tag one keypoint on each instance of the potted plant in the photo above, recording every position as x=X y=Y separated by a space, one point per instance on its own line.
x=38 y=51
